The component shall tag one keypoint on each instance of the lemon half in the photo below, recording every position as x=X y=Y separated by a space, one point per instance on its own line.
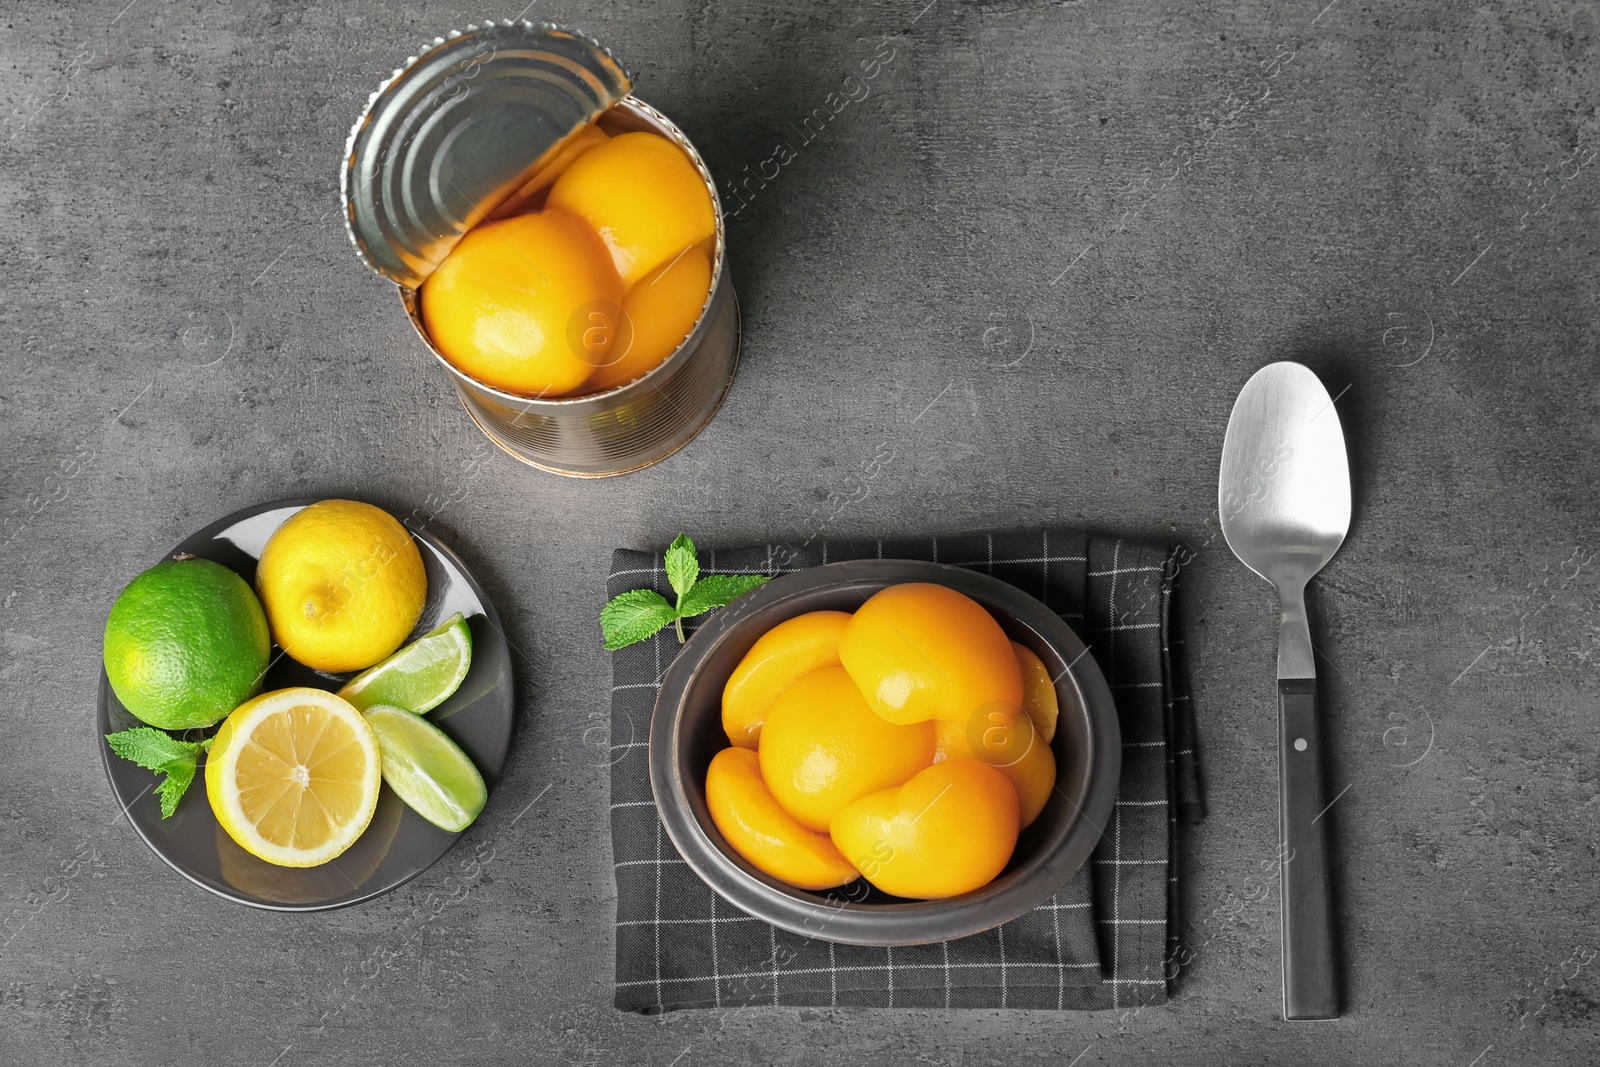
x=293 y=776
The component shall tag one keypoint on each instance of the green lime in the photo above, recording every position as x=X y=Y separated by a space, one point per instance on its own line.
x=427 y=769
x=420 y=676
x=186 y=642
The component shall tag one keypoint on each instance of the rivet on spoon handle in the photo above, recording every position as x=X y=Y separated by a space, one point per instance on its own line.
x=1309 y=989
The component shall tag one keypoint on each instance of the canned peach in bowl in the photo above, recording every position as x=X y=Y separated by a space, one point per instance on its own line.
x=557 y=243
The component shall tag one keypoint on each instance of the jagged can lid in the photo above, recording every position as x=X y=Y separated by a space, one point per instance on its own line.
x=461 y=127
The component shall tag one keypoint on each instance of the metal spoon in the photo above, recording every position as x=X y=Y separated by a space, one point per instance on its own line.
x=1283 y=499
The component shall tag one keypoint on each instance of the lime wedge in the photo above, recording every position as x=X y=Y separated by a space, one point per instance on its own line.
x=427 y=769
x=420 y=676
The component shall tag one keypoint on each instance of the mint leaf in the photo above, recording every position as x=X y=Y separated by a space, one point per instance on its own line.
x=640 y=613
x=179 y=774
x=157 y=750
x=150 y=748
x=683 y=566
x=717 y=590
x=634 y=616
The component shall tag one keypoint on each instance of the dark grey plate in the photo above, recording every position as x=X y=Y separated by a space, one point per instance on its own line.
x=399 y=844
x=686 y=731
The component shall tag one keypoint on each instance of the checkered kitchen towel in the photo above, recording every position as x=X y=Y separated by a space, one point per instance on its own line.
x=1103 y=941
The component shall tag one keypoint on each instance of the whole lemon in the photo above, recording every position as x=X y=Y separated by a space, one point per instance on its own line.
x=343 y=585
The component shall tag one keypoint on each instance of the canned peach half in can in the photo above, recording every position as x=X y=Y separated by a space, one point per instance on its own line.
x=451 y=140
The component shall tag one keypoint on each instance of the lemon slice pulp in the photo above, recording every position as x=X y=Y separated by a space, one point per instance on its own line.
x=293 y=776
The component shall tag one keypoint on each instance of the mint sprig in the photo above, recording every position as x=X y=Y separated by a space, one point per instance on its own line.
x=157 y=750
x=640 y=614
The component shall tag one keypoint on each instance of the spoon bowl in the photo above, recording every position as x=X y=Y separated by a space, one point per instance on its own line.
x=1283 y=497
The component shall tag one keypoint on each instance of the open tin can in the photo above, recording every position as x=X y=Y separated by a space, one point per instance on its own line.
x=453 y=136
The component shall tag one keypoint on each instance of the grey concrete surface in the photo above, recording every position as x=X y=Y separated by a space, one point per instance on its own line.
x=1035 y=262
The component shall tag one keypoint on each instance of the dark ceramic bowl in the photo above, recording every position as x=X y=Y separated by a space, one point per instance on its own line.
x=686 y=731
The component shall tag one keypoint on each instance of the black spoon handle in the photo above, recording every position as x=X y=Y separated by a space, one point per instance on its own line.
x=1309 y=988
